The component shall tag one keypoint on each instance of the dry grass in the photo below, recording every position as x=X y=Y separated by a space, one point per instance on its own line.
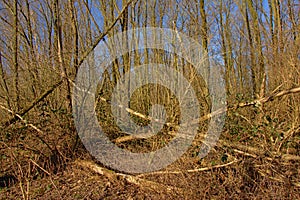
x=252 y=160
x=256 y=157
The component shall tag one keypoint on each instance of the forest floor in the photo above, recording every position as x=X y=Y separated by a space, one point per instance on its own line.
x=228 y=172
x=249 y=161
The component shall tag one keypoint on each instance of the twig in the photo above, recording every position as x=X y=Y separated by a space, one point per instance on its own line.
x=288 y=134
x=210 y=115
x=277 y=179
x=190 y=170
x=245 y=153
x=28 y=124
x=252 y=151
x=131 y=179
x=19 y=168
x=33 y=103
x=49 y=174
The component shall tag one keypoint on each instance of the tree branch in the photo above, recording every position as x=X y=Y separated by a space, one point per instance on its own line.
x=53 y=87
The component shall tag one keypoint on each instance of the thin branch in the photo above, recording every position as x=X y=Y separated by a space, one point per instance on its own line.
x=49 y=174
x=130 y=178
x=208 y=116
x=256 y=151
x=191 y=170
x=86 y=53
x=27 y=124
x=33 y=104
x=50 y=90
